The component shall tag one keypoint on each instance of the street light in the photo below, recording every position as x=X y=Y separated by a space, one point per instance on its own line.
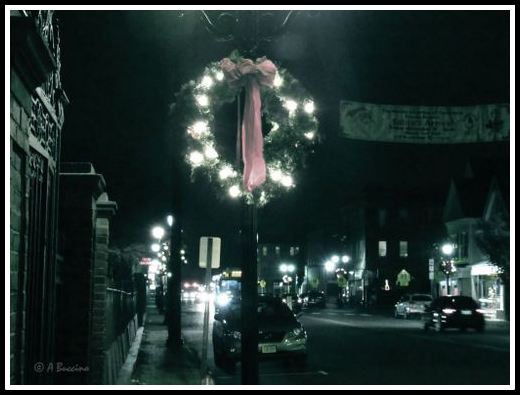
x=447 y=249
x=345 y=259
x=169 y=220
x=158 y=232
x=329 y=266
x=447 y=265
x=155 y=247
x=335 y=258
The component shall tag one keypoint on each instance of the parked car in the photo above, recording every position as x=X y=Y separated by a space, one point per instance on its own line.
x=280 y=334
x=412 y=304
x=460 y=312
x=313 y=299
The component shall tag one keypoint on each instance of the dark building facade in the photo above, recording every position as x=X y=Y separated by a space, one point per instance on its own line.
x=37 y=116
x=271 y=258
x=390 y=232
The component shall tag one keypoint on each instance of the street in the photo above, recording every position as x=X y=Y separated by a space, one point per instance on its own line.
x=350 y=348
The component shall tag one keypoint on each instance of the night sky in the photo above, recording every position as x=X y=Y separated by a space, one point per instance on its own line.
x=121 y=70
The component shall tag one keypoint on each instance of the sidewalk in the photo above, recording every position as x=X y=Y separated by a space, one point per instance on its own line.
x=154 y=364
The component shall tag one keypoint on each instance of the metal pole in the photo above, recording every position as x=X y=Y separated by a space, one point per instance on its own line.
x=173 y=306
x=205 y=330
x=249 y=300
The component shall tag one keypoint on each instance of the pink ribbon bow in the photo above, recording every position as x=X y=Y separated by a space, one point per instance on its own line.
x=251 y=75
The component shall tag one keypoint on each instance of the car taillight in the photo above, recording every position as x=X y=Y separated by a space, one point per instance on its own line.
x=448 y=311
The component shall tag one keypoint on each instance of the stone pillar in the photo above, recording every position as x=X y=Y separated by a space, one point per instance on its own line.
x=105 y=209
x=80 y=188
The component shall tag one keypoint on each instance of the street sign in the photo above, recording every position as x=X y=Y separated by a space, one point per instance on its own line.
x=403 y=278
x=431 y=267
x=146 y=261
x=209 y=250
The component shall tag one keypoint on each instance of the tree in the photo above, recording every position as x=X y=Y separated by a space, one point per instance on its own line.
x=492 y=238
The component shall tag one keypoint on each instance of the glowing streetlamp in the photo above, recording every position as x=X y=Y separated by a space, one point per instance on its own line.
x=345 y=259
x=155 y=247
x=329 y=266
x=447 y=264
x=169 y=220
x=158 y=232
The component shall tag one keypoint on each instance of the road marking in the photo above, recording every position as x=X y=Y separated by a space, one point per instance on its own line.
x=365 y=315
x=316 y=313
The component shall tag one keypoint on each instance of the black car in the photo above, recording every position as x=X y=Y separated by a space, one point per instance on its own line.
x=460 y=312
x=280 y=334
x=313 y=299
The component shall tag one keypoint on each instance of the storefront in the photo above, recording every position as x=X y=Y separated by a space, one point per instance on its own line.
x=488 y=289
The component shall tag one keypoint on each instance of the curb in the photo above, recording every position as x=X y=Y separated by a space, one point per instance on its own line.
x=125 y=373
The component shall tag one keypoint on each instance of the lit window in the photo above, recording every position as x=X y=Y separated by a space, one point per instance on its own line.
x=264 y=251
x=277 y=249
x=403 y=249
x=382 y=248
x=296 y=250
x=291 y=251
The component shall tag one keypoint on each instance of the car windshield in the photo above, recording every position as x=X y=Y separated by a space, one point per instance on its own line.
x=421 y=298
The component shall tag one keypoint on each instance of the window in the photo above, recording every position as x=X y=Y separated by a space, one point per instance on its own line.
x=382 y=248
x=264 y=251
x=291 y=251
x=277 y=249
x=381 y=217
x=296 y=250
x=403 y=249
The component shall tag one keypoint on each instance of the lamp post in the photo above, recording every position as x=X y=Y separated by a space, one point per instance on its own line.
x=250 y=30
x=447 y=264
x=287 y=279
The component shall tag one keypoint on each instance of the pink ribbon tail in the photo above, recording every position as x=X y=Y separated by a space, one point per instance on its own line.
x=252 y=138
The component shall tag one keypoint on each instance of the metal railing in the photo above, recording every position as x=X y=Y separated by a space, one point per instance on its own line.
x=120 y=309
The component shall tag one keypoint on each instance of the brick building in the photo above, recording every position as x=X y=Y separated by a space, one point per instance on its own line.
x=37 y=103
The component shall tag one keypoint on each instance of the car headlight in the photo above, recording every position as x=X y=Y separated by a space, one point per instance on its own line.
x=297 y=332
x=223 y=299
x=448 y=311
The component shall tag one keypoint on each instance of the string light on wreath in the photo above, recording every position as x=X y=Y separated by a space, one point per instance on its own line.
x=290 y=131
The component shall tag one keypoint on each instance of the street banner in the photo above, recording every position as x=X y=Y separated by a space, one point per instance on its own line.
x=424 y=124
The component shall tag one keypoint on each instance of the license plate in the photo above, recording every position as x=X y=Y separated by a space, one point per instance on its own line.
x=268 y=349
x=466 y=312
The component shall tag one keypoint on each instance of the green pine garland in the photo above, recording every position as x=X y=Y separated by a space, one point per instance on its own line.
x=289 y=134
